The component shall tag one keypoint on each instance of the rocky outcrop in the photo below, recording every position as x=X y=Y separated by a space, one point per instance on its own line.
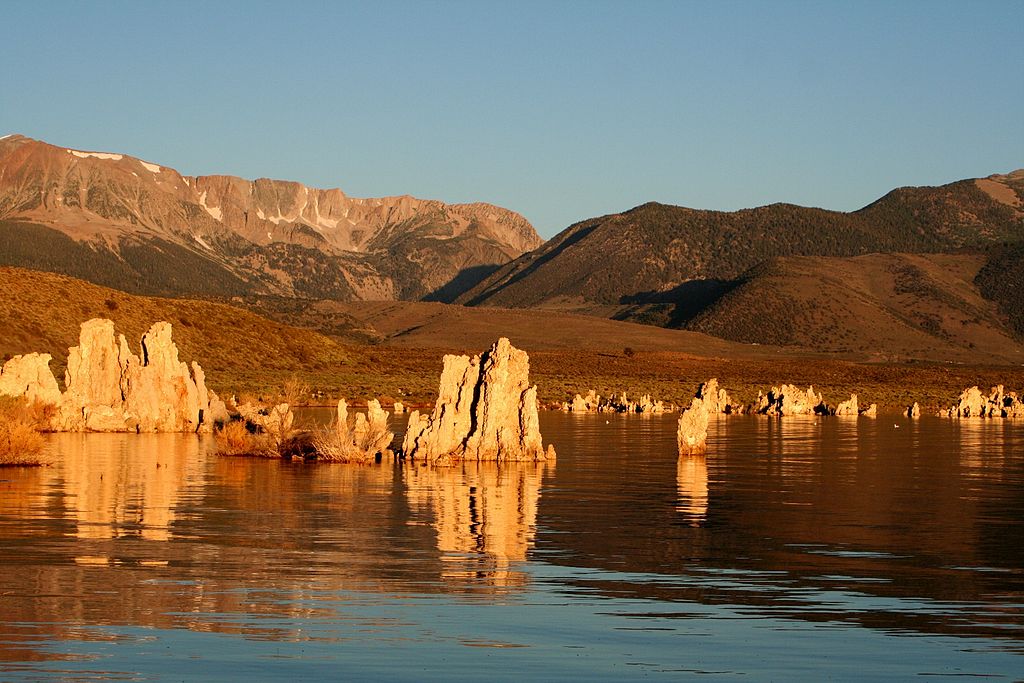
x=717 y=400
x=30 y=376
x=366 y=440
x=788 y=400
x=160 y=394
x=595 y=403
x=648 y=406
x=218 y=410
x=999 y=403
x=485 y=410
x=110 y=389
x=692 y=428
x=870 y=411
x=914 y=411
x=93 y=399
x=848 y=407
x=398 y=408
x=590 y=403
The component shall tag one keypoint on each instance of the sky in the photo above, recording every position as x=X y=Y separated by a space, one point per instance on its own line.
x=559 y=110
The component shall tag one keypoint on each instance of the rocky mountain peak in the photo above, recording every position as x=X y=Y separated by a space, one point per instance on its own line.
x=383 y=247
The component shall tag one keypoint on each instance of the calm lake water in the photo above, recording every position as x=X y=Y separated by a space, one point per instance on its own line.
x=799 y=549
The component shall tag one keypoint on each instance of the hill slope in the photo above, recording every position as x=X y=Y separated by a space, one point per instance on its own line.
x=1001 y=279
x=894 y=306
x=663 y=264
x=43 y=312
x=241 y=351
x=143 y=227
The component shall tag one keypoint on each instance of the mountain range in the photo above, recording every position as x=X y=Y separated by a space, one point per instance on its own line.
x=143 y=227
x=633 y=262
x=922 y=273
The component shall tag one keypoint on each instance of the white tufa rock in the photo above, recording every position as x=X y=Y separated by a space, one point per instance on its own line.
x=485 y=410
x=110 y=389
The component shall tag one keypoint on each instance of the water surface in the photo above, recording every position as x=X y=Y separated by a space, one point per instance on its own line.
x=796 y=549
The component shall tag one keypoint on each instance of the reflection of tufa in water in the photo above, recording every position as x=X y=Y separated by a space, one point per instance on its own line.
x=692 y=486
x=114 y=491
x=485 y=410
x=484 y=510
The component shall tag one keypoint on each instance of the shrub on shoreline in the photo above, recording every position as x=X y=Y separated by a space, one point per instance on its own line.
x=236 y=439
x=21 y=444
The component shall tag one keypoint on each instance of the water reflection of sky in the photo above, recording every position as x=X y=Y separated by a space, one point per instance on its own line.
x=796 y=545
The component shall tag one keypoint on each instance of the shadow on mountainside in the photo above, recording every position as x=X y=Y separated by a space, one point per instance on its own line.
x=465 y=280
x=1001 y=280
x=677 y=306
x=537 y=262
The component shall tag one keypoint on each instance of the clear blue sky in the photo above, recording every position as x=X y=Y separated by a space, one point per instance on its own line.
x=561 y=111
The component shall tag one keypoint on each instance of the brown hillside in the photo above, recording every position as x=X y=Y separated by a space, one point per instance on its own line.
x=417 y=324
x=893 y=306
x=664 y=264
x=245 y=352
x=237 y=349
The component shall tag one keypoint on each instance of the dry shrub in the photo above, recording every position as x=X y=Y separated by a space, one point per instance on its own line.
x=20 y=440
x=364 y=442
x=235 y=438
x=40 y=415
x=246 y=397
x=295 y=392
x=331 y=446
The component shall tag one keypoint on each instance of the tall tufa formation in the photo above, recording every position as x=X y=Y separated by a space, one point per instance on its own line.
x=485 y=410
x=110 y=389
x=692 y=429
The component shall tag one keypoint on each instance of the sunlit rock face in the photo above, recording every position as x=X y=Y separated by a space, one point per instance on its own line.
x=593 y=402
x=276 y=422
x=485 y=410
x=585 y=404
x=30 y=376
x=235 y=236
x=999 y=403
x=160 y=394
x=788 y=400
x=108 y=388
x=692 y=428
x=848 y=407
x=93 y=399
x=716 y=400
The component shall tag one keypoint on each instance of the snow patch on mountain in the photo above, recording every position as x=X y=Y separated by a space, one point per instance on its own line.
x=98 y=155
x=212 y=210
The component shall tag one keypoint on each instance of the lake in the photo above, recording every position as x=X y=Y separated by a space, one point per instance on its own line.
x=797 y=549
